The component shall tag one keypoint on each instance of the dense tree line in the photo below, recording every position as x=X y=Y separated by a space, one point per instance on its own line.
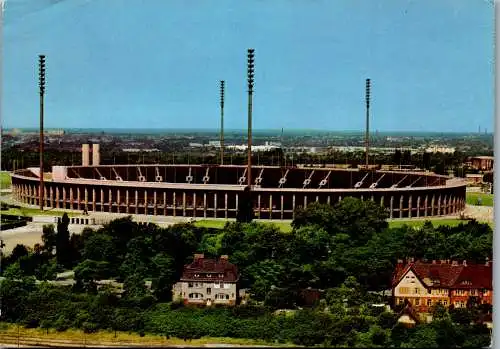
x=346 y=250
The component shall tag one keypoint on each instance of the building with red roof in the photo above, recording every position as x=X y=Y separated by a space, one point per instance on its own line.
x=424 y=284
x=208 y=281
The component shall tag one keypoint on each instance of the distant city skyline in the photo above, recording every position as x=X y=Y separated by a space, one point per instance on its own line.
x=157 y=64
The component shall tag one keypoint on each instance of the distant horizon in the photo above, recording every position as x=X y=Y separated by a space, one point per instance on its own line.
x=255 y=130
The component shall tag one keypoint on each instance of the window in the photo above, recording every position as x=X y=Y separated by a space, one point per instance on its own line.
x=191 y=295
x=472 y=292
x=400 y=301
x=416 y=290
x=404 y=290
x=445 y=303
x=232 y=295
x=209 y=290
x=429 y=302
x=417 y=301
x=227 y=296
x=190 y=284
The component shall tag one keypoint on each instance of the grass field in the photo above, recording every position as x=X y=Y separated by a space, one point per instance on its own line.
x=10 y=333
x=285 y=226
x=30 y=212
x=5 y=180
x=487 y=199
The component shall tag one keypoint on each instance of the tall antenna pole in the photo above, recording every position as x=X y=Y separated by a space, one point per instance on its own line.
x=41 y=84
x=222 y=122
x=367 y=134
x=250 y=71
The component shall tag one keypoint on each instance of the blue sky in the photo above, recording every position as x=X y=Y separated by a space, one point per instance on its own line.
x=157 y=63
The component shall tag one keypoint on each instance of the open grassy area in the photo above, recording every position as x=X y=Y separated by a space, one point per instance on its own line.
x=285 y=226
x=5 y=180
x=9 y=334
x=487 y=199
x=30 y=212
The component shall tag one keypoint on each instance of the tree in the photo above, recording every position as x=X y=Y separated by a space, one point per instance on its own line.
x=49 y=238
x=63 y=248
x=316 y=215
x=245 y=206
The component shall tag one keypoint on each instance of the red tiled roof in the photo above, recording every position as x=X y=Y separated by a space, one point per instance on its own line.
x=447 y=274
x=201 y=267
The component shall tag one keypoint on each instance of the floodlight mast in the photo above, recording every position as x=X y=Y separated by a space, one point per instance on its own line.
x=367 y=132
x=41 y=85
x=250 y=73
x=222 y=86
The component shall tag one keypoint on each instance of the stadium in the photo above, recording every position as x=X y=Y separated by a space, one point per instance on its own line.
x=212 y=191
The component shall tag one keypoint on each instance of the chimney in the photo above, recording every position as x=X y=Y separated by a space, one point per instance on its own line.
x=464 y=263
x=488 y=263
x=412 y=260
x=85 y=154
x=400 y=261
x=224 y=257
x=433 y=261
x=96 y=155
x=443 y=261
x=455 y=263
x=198 y=256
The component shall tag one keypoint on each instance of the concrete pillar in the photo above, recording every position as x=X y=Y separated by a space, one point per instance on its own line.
x=51 y=197
x=164 y=203
x=85 y=155
x=426 y=205
x=102 y=200
x=410 y=207
x=401 y=206
x=194 y=204
x=225 y=205
x=175 y=203
x=418 y=206
x=86 y=198
x=57 y=197
x=372 y=198
x=270 y=206
x=110 y=201
x=362 y=198
x=154 y=204
x=282 y=208
x=45 y=195
x=317 y=198
x=183 y=204
x=215 y=204
x=96 y=155
x=328 y=199
x=127 y=202
x=433 y=205
x=237 y=202
x=293 y=206
x=445 y=205
x=136 y=201
x=382 y=201
x=340 y=198
x=64 y=197
x=439 y=205
x=391 y=207
x=146 y=204
x=305 y=200
x=258 y=204
x=71 y=197
x=118 y=200
x=94 y=200
x=204 y=205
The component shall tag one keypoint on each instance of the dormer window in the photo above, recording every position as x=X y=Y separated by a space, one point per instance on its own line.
x=466 y=282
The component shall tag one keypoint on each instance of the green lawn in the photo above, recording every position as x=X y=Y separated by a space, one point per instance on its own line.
x=5 y=180
x=30 y=212
x=285 y=226
x=486 y=198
